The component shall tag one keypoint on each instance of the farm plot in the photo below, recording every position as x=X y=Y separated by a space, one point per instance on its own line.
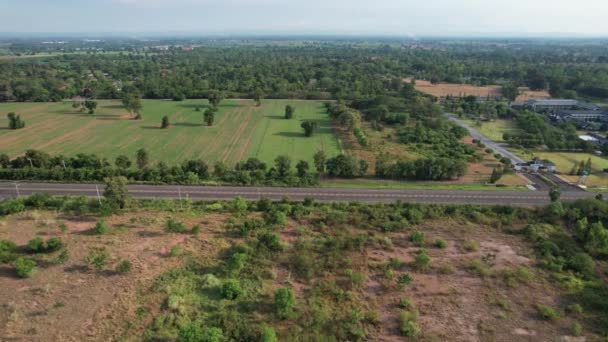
x=241 y=130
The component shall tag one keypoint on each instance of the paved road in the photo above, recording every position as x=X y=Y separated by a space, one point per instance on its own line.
x=488 y=142
x=520 y=198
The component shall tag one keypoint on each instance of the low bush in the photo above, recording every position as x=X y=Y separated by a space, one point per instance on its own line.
x=407 y=324
x=173 y=226
x=547 y=312
x=441 y=243
x=176 y=251
x=422 y=261
x=284 y=301
x=101 y=227
x=8 y=251
x=231 y=289
x=97 y=259
x=24 y=268
x=54 y=244
x=417 y=238
x=36 y=245
x=124 y=266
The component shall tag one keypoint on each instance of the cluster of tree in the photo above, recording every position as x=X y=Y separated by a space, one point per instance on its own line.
x=432 y=168
x=37 y=165
x=15 y=121
x=536 y=131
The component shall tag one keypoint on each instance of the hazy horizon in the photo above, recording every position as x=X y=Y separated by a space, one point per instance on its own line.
x=405 y=18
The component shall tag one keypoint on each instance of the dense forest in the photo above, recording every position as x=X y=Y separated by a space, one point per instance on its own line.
x=296 y=69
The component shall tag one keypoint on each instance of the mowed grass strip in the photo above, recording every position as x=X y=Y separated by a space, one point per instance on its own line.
x=241 y=130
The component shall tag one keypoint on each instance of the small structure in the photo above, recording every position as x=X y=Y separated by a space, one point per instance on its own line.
x=535 y=165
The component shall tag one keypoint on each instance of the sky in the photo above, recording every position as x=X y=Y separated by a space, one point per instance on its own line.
x=356 y=17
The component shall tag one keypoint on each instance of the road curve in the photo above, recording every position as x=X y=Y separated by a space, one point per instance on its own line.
x=475 y=134
x=519 y=198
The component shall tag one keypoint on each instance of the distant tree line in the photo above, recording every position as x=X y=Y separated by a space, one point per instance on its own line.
x=310 y=71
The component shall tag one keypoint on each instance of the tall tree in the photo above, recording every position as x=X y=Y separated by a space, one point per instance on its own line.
x=320 y=159
x=209 y=116
x=132 y=104
x=289 y=111
x=142 y=158
x=215 y=97
x=309 y=127
x=302 y=168
x=282 y=164
x=116 y=192
x=14 y=121
x=91 y=106
x=164 y=122
x=510 y=91
x=122 y=162
x=258 y=95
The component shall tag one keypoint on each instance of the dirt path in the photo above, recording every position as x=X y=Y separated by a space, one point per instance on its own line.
x=244 y=147
x=237 y=136
x=223 y=134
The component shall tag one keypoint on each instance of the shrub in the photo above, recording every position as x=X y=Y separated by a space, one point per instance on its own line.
x=440 y=244
x=407 y=324
x=53 y=244
x=24 y=267
x=176 y=251
x=231 y=289
x=582 y=263
x=101 y=227
x=209 y=280
x=577 y=329
x=237 y=262
x=97 y=258
x=547 y=312
x=284 y=301
x=196 y=229
x=417 y=238
x=36 y=245
x=62 y=258
x=173 y=226
x=574 y=309
x=270 y=241
x=267 y=334
x=471 y=246
x=193 y=332
x=7 y=251
x=405 y=279
x=124 y=266
x=405 y=303
x=422 y=260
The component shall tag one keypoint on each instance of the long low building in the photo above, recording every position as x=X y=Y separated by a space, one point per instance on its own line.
x=553 y=105
x=581 y=115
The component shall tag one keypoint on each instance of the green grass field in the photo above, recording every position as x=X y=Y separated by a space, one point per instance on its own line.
x=241 y=130
x=494 y=129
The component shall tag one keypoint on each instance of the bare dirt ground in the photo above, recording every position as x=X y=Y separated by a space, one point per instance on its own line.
x=71 y=302
x=461 y=90
x=456 y=301
x=458 y=304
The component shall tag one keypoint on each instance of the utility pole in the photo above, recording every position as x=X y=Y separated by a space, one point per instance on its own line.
x=179 y=191
x=31 y=164
x=63 y=162
x=98 y=197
